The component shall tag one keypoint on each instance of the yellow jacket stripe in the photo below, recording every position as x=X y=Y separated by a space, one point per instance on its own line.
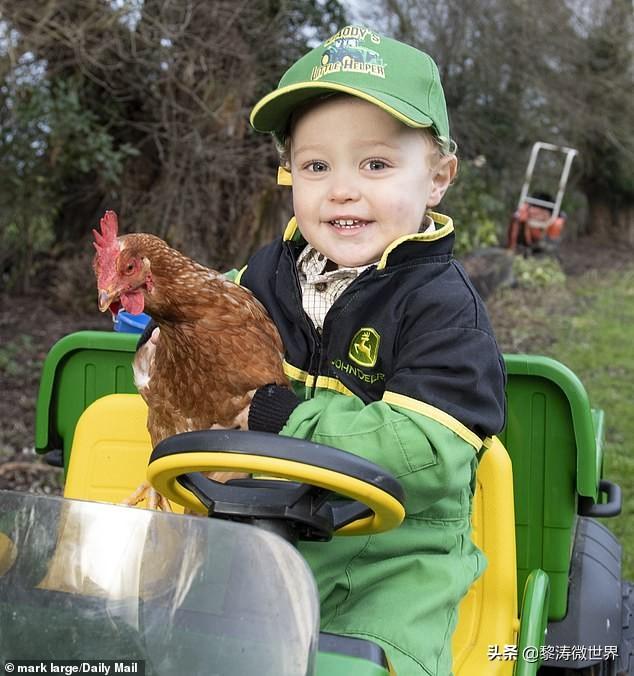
x=394 y=399
x=434 y=413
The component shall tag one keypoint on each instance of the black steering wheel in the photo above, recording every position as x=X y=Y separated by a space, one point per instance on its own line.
x=304 y=496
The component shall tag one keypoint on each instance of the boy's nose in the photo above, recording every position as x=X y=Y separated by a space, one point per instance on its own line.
x=343 y=189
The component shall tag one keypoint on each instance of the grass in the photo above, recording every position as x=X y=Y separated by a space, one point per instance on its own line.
x=596 y=344
x=587 y=323
x=13 y=353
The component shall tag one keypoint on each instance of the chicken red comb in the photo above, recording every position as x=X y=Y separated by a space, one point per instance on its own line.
x=106 y=244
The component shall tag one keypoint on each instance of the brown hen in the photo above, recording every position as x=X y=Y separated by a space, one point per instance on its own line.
x=217 y=344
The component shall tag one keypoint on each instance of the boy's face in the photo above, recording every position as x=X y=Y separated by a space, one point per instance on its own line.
x=361 y=179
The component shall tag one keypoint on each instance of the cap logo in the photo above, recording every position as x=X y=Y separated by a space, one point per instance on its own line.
x=344 y=53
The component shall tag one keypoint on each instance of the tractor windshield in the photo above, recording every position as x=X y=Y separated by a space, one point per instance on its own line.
x=187 y=595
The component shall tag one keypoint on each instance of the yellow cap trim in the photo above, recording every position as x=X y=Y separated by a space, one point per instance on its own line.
x=290 y=230
x=446 y=229
x=436 y=414
x=163 y=473
x=284 y=176
x=335 y=87
x=239 y=275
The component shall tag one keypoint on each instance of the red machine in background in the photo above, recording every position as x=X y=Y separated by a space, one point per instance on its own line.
x=538 y=222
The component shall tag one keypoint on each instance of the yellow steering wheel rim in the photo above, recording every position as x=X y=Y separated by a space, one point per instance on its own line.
x=163 y=473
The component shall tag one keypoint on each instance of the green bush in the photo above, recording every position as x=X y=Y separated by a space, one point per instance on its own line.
x=477 y=214
x=537 y=271
x=45 y=137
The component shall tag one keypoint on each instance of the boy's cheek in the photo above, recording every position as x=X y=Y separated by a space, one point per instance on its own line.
x=305 y=196
x=402 y=212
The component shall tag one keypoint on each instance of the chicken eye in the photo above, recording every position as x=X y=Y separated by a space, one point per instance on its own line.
x=129 y=268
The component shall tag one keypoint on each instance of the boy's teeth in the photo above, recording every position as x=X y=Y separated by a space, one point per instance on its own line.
x=345 y=222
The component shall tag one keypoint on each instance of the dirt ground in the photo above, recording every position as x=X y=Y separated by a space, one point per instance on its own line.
x=30 y=325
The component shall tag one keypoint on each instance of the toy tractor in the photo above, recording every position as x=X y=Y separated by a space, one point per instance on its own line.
x=82 y=578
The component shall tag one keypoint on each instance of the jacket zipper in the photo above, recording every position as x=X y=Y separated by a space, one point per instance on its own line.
x=318 y=341
x=350 y=286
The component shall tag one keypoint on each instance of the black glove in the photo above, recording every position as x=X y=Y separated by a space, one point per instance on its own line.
x=271 y=407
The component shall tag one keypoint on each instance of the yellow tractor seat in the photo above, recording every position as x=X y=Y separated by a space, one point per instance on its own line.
x=488 y=614
x=110 y=451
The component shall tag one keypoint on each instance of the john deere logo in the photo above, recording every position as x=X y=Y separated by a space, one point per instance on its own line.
x=364 y=347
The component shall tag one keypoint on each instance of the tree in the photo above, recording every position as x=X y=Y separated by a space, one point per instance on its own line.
x=517 y=72
x=597 y=86
x=46 y=140
x=169 y=86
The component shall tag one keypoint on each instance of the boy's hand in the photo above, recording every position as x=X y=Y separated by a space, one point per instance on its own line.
x=270 y=408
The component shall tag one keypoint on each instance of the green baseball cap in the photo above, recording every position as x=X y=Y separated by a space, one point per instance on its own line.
x=398 y=78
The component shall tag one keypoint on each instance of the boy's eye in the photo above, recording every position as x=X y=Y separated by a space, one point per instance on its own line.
x=316 y=166
x=376 y=165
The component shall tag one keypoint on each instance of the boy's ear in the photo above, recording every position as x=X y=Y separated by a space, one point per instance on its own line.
x=443 y=174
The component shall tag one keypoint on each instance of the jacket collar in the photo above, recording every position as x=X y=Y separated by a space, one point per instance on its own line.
x=444 y=228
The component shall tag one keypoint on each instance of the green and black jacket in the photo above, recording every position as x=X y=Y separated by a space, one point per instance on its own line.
x=407 y=374
x=410 y=331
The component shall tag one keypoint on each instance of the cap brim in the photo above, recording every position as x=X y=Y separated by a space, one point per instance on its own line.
x=272 y=112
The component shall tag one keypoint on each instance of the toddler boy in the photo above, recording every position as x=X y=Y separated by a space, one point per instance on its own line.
x=388 y=346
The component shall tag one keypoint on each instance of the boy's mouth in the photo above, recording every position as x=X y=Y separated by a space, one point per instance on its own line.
x=348 y=223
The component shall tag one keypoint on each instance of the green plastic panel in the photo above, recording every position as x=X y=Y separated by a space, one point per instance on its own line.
x=79 y=369
x=534 y=611
x=551 y=437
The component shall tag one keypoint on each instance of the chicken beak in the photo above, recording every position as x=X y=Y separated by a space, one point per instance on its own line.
x=106 y=296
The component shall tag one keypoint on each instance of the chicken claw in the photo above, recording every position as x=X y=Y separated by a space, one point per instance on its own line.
x=155 y=500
